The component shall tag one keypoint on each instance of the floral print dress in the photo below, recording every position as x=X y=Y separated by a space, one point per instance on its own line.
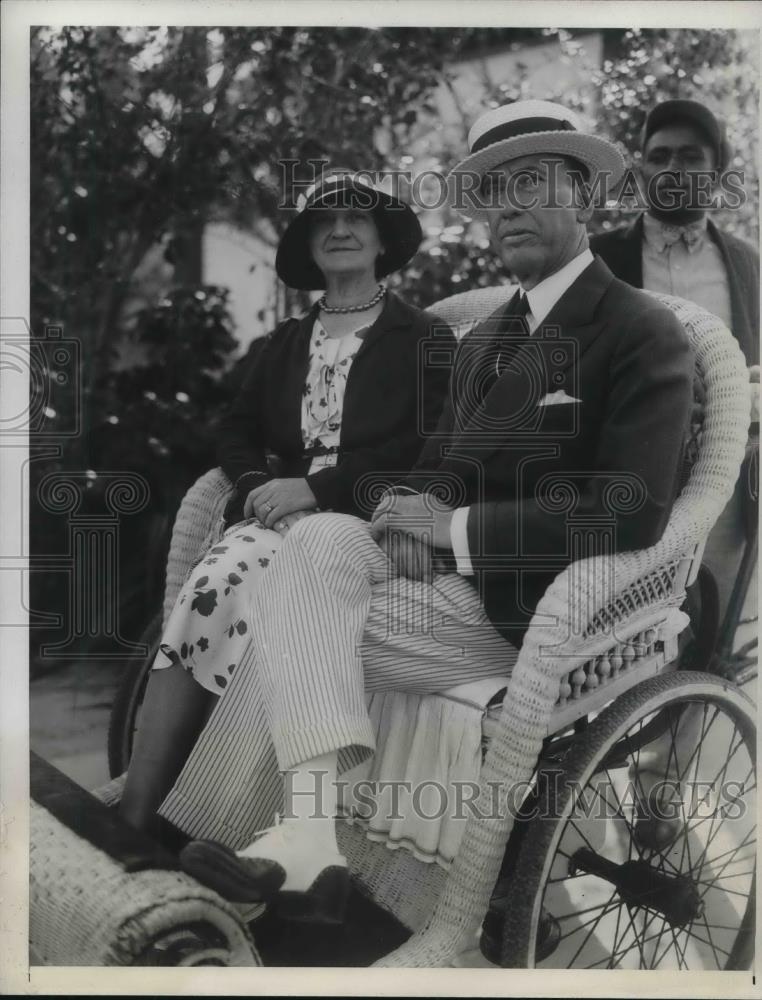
x=208 y=628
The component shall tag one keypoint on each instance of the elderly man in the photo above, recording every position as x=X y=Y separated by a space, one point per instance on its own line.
x=580 y=381
x=675 y=248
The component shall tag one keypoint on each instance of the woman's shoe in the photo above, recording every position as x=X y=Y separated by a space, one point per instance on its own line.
x=313 y=884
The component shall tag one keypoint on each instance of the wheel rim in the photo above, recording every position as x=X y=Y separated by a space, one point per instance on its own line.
x=704 y=791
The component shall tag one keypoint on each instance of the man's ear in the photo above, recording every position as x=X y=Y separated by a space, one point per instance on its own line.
x=585 y=213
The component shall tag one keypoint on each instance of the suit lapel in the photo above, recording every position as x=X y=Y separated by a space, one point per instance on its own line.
x=481 y=360
x=538 y=367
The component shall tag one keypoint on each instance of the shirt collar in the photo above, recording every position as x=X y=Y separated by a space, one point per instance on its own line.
x=544 y=295
x=661 y=235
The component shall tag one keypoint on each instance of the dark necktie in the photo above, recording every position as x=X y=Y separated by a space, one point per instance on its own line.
x=516 y=327
x=520 y=313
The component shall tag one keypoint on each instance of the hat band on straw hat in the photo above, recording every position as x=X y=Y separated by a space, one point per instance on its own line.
x=511 y=130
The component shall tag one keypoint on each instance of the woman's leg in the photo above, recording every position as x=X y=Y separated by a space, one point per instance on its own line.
x=202 y=643
x=174 y=711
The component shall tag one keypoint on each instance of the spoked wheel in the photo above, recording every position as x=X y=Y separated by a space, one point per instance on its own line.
x=123 y=722
x=642 y=854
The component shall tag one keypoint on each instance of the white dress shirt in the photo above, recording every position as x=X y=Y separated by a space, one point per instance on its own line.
x=541 y=300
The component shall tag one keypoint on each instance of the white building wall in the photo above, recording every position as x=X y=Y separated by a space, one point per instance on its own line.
x=244 y=264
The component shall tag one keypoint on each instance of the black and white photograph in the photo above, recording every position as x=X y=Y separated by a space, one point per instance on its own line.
x=379 y=433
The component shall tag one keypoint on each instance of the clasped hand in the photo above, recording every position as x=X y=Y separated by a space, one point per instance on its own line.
x=280 y=500
x=409 y=528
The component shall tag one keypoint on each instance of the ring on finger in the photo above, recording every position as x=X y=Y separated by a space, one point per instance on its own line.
x=269 y=507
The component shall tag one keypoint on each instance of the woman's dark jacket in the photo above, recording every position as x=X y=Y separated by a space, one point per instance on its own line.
x=394 y=393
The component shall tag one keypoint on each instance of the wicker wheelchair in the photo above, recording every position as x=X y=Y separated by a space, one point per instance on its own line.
x=630 y=838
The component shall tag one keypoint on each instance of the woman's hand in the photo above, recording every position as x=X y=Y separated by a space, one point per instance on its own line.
x=289 y=520
x=274 y=500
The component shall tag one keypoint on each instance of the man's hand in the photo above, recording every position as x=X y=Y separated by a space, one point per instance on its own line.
x=422 y=515
x=273 y=501
x=408 y=556
x=754 y=390
x=289 y=520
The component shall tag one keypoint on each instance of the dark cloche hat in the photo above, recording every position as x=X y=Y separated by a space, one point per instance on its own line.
x=398 y=228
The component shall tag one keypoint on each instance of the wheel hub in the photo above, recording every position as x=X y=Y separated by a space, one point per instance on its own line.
x=641 y=885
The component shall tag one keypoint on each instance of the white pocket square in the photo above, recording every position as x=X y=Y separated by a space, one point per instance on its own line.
x=559 y=396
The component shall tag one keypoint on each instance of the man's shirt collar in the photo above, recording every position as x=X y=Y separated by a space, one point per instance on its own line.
x=660 y=235
x=544 y=295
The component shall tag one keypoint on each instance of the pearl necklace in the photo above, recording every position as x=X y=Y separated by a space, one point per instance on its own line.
x=353 y=309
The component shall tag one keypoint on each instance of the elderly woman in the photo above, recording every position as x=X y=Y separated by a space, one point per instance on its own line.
x=329 y=399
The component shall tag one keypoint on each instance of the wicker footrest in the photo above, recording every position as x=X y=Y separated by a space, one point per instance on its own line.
x=87 y=908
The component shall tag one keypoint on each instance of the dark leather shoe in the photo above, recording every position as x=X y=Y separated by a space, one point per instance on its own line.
x=257 y=880
x=239 y=880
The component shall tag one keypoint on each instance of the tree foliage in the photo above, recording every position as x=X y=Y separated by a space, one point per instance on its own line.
x=141 y=136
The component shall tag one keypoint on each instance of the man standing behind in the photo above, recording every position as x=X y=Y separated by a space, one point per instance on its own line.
x=675 y=249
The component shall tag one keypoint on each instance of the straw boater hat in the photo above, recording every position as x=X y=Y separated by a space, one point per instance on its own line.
x=398 y=228
x=528 y=127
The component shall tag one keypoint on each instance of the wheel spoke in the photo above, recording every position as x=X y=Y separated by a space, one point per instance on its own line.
x=660 y=959
x=673 y=751
x=647 y=750
x=616 y=938
x=719 y=888
x=718 y=878
x=733 y=850
x=702 y=738
x=595 y=924
x=680 y=952
x=581 y=913
x=715 y=947
x=581 y=834
x=664 y=926
x=656 y=935
x=633 y=842
x=637 y=942
x=581 y=927
x=720 y=777
x=722 y=867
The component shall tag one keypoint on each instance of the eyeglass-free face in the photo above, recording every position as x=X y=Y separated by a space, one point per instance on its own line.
x=344 y=240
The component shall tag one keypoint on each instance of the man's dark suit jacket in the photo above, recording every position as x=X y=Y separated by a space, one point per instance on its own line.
x=608 y=462
x=390 y=398
x=621 y=249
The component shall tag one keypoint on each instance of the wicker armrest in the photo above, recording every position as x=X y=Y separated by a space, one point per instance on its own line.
x=197 y=526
